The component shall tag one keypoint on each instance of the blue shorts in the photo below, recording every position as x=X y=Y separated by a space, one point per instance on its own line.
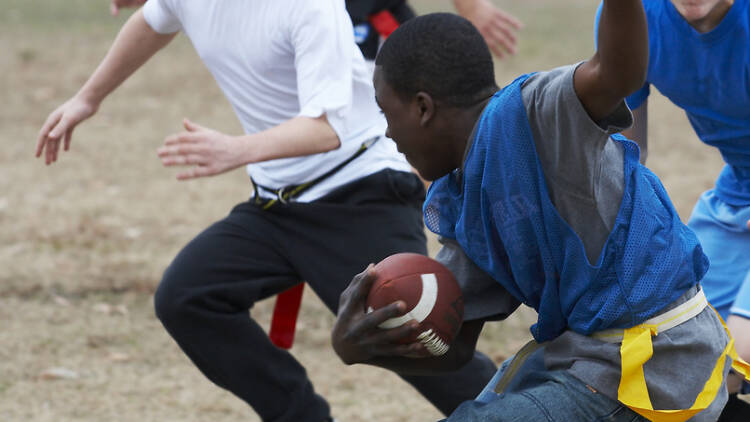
x=723 y=233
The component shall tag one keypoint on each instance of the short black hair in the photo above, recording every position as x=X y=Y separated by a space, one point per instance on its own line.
x=441 y=54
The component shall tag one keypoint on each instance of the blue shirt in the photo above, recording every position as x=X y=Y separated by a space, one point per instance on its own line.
x=708 y=76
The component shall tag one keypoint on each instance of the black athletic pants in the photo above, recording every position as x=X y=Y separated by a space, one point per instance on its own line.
x=204 y=297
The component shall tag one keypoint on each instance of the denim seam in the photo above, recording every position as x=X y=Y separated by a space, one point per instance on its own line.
x=538 y=405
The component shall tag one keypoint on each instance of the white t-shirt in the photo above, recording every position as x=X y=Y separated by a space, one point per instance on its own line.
x=279 y=59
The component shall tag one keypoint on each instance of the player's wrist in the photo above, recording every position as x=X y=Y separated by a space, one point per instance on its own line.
x=246 y=147
x=89 y=99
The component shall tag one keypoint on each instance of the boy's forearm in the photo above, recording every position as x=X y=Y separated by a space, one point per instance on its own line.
x=134 y=45
x=295 y=137
x=622 y=46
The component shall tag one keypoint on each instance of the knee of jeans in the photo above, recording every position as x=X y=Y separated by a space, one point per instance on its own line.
x=171 y=297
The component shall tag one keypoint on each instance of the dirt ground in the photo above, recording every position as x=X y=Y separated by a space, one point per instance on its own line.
x=83 y=243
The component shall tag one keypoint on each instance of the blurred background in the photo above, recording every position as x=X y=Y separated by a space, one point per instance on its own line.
x=83 y=242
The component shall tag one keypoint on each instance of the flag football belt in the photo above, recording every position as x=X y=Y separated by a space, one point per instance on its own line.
x=289 y=193
x=636 y=349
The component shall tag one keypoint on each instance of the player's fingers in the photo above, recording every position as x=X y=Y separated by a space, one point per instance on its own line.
x=181 y=138
x=196 y=172
x=183 y=160
x=502 y=30
x=352 y=299
x=393 y=335
x=56 y=149
x=363 y=283
x=171 y=139
x=113 y=9
x=413 y=350
x=47 y=153
x=358 y=288
x=509 y=19
x=52 y=145
x=68 y=136
x=418 y=351
x=180 y=149
x=48 y=125
x=500 y=35
x=59 y=140
x=165 y=151
x=498 y=51
x=40 y=144
x=56 y=135
x=60 y=128
x=190 y=126
x=373 y=319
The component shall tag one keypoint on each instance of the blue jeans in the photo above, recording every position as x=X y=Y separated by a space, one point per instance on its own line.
x=536 y=395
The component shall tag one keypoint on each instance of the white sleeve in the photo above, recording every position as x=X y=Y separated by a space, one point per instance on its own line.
x=323 y=40
x=161 y=17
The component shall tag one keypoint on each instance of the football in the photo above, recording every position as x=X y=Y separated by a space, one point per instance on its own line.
x=432 y=295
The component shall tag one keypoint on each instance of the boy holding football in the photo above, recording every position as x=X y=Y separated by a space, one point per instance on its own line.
x=539 y=201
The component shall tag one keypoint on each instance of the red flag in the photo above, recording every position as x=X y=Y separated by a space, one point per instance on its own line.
x=284 y=320
x=384 y=23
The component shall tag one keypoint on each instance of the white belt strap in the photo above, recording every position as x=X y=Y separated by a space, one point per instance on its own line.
x=663 y=322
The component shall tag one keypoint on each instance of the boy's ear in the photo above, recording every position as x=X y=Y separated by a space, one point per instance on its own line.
x=426 y=106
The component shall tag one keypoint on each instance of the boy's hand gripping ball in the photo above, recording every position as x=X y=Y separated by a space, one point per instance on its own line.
x=432 y=295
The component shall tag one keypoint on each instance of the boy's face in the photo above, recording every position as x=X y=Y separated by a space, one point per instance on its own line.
x=696 y=10
x=410 y=127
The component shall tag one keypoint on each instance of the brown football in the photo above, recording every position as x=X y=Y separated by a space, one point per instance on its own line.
x=432 y=295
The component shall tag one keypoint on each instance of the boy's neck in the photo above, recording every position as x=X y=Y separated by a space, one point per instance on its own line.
x=704 y=22
x=466 y=121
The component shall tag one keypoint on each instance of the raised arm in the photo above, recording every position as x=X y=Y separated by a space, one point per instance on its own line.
x=134 y=45
x=619 y=66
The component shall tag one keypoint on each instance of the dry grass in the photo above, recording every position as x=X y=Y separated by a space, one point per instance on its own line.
x=83 y=244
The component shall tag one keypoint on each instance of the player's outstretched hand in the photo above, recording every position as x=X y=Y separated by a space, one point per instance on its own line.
x=498 y=28
x=209 y=152
x=116 y=5
x=59 y=127
x=356 y=337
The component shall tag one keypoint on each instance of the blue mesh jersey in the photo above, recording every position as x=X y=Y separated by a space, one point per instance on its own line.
x=499 y=211
x=708 y=76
